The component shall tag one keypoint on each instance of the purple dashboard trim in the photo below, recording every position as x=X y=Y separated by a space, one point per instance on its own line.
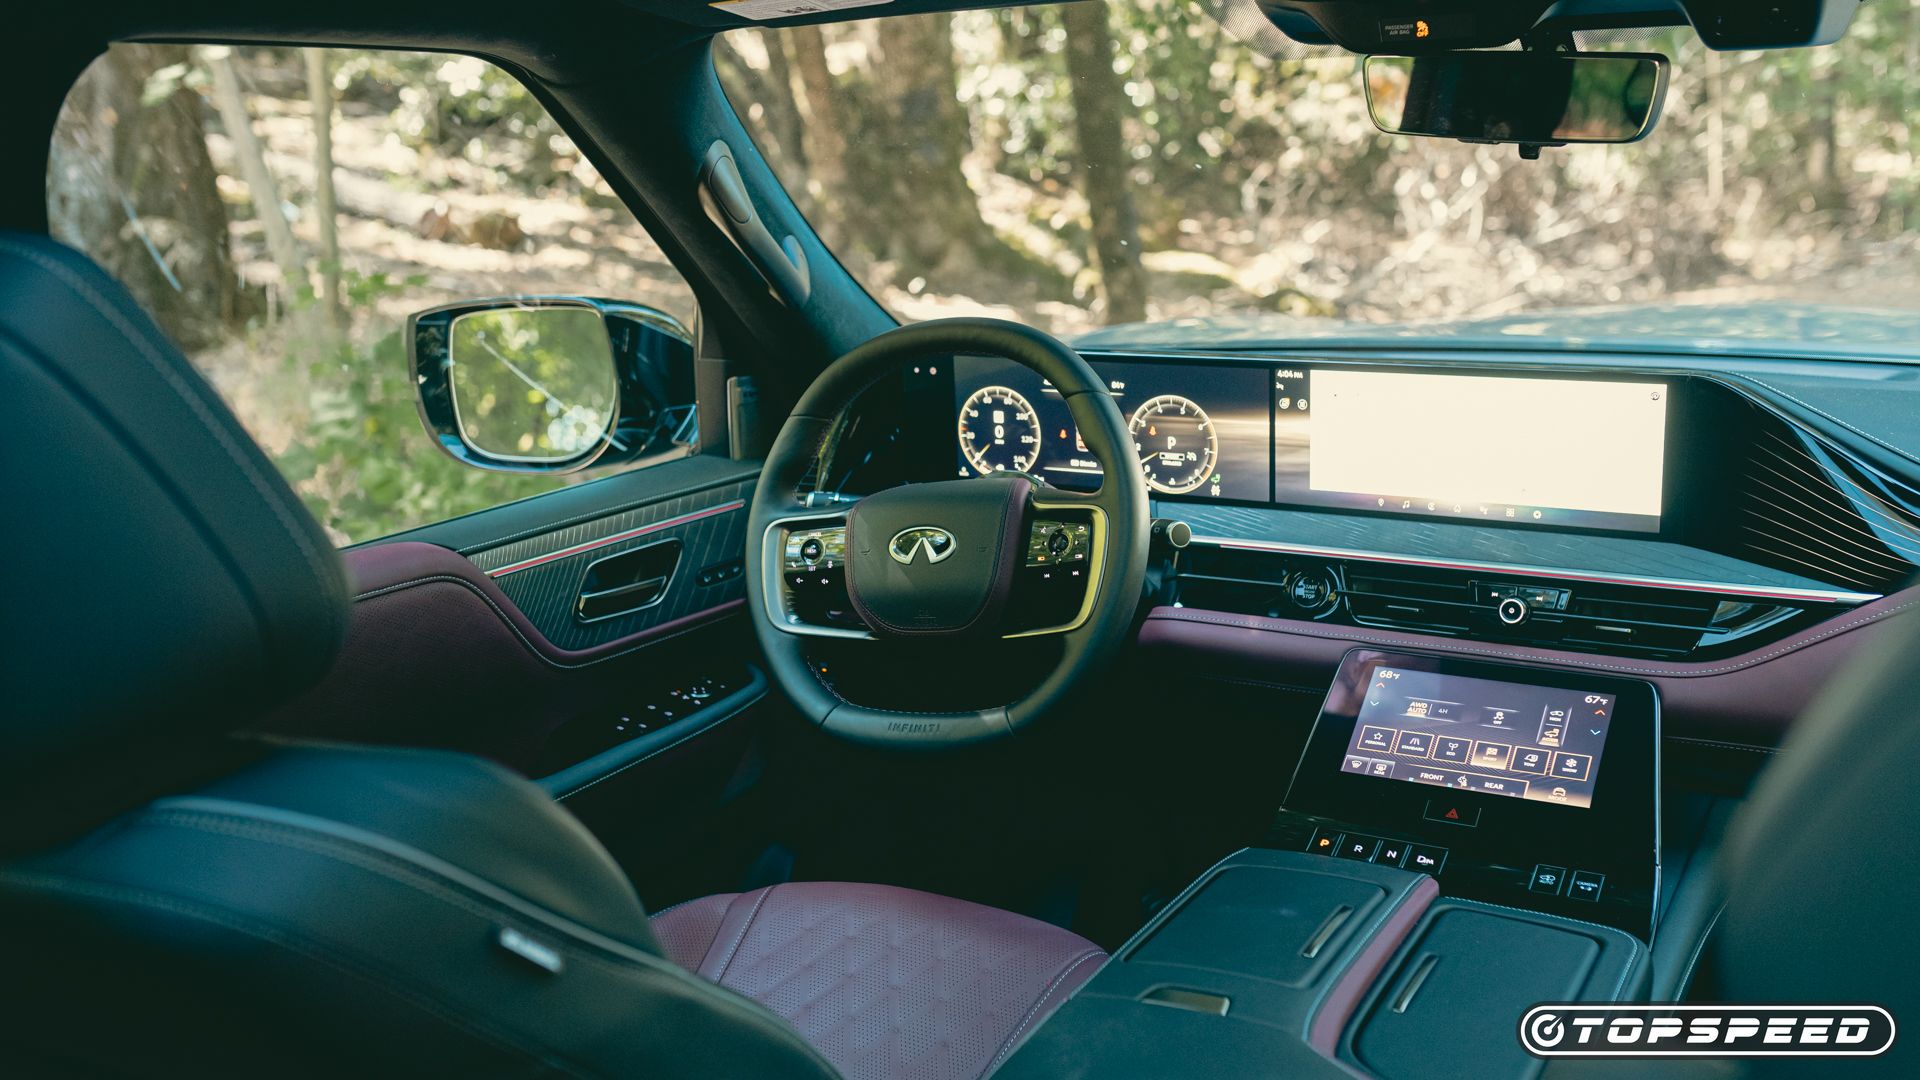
x=1748 y=700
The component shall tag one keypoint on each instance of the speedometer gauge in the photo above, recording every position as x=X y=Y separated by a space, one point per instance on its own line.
x=1176 y=444
x=999 y=431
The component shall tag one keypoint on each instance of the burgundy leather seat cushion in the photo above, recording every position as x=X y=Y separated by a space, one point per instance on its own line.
x=886 y=983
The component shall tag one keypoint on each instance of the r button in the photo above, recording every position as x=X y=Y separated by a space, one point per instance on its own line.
x=1358 y=846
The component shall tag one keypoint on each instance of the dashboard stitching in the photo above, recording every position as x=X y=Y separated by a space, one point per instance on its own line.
x=1875 y=439
x=1193 y=615
x=1723 y=745
x=386 y=590
x=1264 y=684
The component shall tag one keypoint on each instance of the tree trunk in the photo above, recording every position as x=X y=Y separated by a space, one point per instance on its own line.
x=825 y=141
x=1716 y=128
x=1103 y=161
x=1823 y=164
x=130 y=183
x=325 y=205
x=927 y=214
x=261 y=190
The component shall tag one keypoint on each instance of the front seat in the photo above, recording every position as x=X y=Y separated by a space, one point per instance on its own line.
x=179 y=900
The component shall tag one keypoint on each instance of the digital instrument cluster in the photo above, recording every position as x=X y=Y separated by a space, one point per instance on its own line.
x=1200 y=431
x=1585 y=451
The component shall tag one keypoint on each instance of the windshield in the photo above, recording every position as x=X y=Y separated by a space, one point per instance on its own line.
x=1086 y=165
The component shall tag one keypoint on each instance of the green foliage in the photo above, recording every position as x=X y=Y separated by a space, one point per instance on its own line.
x=1259 y=183
x=533 y=383
x=362 y=463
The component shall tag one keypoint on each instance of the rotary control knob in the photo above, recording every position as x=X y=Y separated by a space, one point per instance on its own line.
x=811 y=549
x=1513 y=611
x=1058 y=543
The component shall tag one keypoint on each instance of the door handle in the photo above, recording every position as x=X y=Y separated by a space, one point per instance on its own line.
x=620 y=599
x=624 y=583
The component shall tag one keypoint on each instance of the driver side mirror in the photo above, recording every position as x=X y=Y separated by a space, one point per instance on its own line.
x=553 y=384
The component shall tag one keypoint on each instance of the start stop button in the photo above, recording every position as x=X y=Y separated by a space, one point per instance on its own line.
x=1314 y=591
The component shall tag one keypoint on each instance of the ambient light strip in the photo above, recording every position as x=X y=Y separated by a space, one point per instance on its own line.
x=1828 y=596
x=592 y=545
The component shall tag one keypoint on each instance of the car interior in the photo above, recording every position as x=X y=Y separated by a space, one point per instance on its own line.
x=943 y=696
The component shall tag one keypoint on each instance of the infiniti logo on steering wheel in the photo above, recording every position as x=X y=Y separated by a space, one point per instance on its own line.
x=908 y=543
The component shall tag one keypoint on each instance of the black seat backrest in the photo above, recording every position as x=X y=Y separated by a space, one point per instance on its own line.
x=182 y=902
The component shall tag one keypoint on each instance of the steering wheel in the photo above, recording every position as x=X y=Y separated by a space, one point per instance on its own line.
x=1003 y=555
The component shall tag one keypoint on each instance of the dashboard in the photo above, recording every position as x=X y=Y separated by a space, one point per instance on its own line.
x=1585 y=452
x=1658 y=507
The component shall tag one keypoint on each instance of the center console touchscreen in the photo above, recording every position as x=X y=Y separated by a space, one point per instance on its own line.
x=1514 y=740
x=1531 y=787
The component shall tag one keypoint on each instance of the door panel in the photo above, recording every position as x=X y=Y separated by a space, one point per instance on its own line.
x=465 y=636
x=544 y=575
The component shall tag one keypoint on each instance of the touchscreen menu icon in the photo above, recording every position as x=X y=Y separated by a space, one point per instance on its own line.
x=1542 y=743
x=1526 y=759
x=1491 y=755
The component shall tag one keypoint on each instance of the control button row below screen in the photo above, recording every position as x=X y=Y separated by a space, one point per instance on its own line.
x=1551 y=880
x=1361 y=847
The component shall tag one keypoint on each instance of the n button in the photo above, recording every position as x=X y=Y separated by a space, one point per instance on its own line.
x=1453 y=813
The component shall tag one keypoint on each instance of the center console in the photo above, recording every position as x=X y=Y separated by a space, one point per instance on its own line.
x=1460 y=841
x=1522 y=786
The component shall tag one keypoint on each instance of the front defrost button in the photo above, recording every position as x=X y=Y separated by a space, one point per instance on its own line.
x=1548 y=880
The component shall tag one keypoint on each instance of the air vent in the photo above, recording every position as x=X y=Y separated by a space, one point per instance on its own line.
x=1582 y=615
x=1572 y=614
x=1804 y=510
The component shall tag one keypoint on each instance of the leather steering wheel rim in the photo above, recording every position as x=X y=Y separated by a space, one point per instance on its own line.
x=1122 y=499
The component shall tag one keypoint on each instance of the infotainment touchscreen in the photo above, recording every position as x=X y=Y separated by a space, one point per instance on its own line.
x=1583 y=452
x=1496 y=738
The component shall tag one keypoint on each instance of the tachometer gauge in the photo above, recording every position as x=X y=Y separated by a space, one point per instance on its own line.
x=1176 y=443
x=999 y=431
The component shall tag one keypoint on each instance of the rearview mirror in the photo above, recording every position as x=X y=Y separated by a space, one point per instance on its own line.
x=553 y=384
x=1535 y=99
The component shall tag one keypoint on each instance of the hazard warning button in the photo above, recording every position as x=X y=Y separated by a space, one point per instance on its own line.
x=1453 y=813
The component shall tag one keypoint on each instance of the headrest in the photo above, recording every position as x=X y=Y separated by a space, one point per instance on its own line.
x=161 y=582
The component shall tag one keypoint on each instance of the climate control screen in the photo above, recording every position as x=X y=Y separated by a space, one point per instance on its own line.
x=1493 y=738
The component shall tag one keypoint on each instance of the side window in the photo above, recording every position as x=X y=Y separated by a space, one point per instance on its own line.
x=284 y=212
